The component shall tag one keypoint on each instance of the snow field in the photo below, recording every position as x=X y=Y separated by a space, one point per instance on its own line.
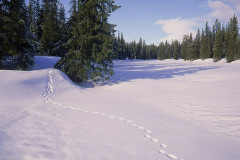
x=149 y=110
x=49 y=90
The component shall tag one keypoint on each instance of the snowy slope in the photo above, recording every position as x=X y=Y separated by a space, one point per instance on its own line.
x=149 y=110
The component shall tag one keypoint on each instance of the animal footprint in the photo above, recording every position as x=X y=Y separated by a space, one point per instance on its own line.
x=172 y=156
x=140 y=127
x=154 y=140
x=163 y=145
x=161 y=151
x=148 y=131
x=147 y=136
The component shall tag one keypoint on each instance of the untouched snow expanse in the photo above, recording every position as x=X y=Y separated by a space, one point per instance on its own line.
x=149 y=110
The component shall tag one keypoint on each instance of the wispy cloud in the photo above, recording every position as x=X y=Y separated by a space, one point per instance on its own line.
x=176 y=28
x=220 y=10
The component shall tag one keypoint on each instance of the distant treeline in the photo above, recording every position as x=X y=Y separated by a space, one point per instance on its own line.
x=217 y=42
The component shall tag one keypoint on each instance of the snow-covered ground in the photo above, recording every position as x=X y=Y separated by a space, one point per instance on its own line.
x=149 y=110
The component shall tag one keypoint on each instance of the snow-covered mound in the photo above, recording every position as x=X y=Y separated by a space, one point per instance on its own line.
x=149 y=110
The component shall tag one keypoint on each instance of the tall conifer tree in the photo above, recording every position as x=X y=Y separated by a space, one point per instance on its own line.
x=50 y=28
x=232 y=37
x=204 y=46
x=14 y=37
x=190 y=49
x=161 y=51
x=91 y=51
x=184 y=47
x=175 y=49
x=196 y=46
x=139 y=49
x=218 y=43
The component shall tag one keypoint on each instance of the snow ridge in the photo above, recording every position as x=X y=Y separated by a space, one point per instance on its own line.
x=49 y=89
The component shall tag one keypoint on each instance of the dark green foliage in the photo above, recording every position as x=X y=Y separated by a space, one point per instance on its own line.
x=218 y=43
x=209 y=39
x=204 y=46
x=122 y=47
x=143 y=51
x=206 y=43
x=3 y=27
x=91 y=45
x=161 y=51
x=61 y=46
x=14 y=36
x=184 y=47
x=196 y=46
x=189 y=49
x=139 y=49
x=50 y=28
x=176 y=49
x=232 y=39
x=167 y=50
x=132 y=50
x=151 y=52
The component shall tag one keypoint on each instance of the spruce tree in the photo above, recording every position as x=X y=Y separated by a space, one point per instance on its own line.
x=161 y=51
x=167 y=51
x=122 y=47
x=50 y=28
x=133 y=48
x=61 y=46
x=143 y=51
x=184 y=47
x=232 y=36
x=3 y=27
x=39 y=20
x=209 y=42
x=91 y=46
x=15 y=43
x=139 y=49
x=204 y=46
x=73 y=11
x=175 y=49
x=190 y=49
x=33 y=25
x=152 y=52
x=218 y=43
x=196 y=46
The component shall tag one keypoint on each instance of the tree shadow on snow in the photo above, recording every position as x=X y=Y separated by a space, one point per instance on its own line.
x=126 y=72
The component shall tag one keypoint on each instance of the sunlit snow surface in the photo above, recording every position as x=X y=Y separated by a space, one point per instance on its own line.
x=148 y=110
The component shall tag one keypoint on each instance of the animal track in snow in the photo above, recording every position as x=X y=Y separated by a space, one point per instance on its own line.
x=161 y=151
x=154 y=140
x=49 y=90
x=172 y=156
x=163 y=145
x=148 y=131
x=147 y=136
x=140 y=127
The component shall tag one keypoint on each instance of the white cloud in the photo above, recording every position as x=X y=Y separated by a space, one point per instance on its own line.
x=221 y=11
x=176 y=28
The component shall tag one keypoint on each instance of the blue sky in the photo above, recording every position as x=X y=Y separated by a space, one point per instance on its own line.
x=158 y=20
